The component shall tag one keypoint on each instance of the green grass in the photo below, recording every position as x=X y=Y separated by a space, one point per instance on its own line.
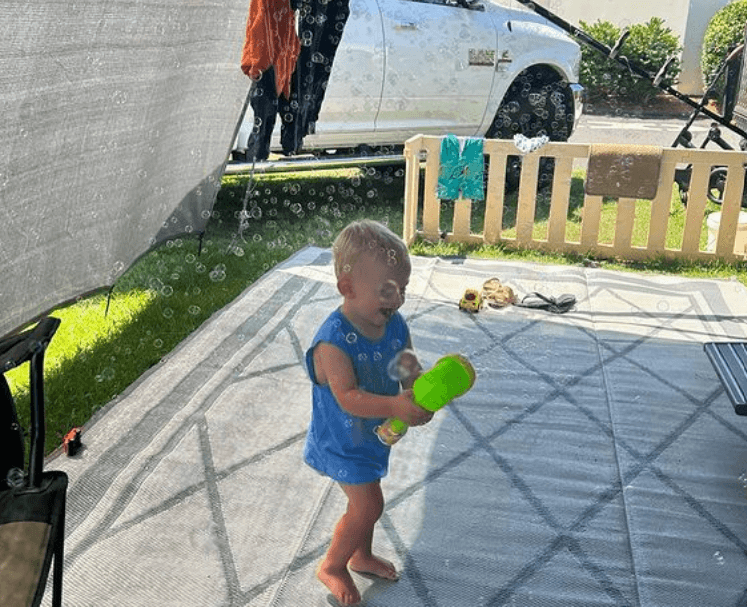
x=171 y=291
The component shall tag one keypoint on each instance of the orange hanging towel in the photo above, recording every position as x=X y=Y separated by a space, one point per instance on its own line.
x=271 y=39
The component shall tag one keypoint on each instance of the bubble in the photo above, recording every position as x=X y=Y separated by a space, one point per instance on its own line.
x=351 y=337
x=390 y=293
x=718 y=557
x=168 y=313
x=15 y=478
x=158 y=343
x=218 y=273
x=403 y=366
x=194 y=310
x=167 y=290
x=107 y=374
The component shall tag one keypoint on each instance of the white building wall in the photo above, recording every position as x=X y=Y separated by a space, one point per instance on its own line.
x=699 y=14
x=687 y=19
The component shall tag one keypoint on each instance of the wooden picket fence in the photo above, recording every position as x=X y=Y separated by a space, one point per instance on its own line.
x=422 y=212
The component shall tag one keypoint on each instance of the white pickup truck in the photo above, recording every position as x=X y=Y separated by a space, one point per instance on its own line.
x=477 y=68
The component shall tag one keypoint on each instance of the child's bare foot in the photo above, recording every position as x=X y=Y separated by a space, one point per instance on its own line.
x=373 y=565
x=340 y=584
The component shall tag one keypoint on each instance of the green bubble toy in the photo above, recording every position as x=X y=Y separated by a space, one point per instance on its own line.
x=451 y=376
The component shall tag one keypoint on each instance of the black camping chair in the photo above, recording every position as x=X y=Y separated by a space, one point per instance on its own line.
x=32 y=503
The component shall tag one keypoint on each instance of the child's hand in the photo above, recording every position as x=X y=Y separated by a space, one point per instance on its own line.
x=410 y=413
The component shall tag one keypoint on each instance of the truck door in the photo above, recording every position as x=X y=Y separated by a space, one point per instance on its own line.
x=440 y=64
x=351 y=101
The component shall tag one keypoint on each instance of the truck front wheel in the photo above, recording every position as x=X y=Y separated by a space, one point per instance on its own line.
x=537 y=103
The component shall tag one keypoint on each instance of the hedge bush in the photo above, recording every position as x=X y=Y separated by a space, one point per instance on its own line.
x=649 y=45
x=724 y=32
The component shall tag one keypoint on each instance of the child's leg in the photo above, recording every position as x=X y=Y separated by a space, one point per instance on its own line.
x=363 y=560
x=351 y=542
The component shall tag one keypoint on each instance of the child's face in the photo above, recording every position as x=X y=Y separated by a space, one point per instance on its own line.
x=378 y=291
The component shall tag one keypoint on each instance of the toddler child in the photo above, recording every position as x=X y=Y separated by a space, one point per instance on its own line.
x=353 y=393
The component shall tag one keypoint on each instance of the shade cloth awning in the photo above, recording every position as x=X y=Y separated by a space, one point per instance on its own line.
x=117 y=121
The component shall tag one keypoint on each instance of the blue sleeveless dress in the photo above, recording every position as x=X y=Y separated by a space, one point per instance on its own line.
x=338 y=444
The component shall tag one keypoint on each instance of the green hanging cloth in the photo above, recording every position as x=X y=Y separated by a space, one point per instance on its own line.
x=461 y=170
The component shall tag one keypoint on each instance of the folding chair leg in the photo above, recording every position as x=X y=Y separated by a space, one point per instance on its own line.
x=59 y=551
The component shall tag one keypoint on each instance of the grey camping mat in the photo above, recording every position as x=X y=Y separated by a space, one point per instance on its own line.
x=596 y=461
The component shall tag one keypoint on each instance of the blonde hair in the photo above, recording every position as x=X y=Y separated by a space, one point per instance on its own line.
x=367 y=237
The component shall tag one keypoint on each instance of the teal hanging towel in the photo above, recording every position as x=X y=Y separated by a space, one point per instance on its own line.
x=461 y=170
